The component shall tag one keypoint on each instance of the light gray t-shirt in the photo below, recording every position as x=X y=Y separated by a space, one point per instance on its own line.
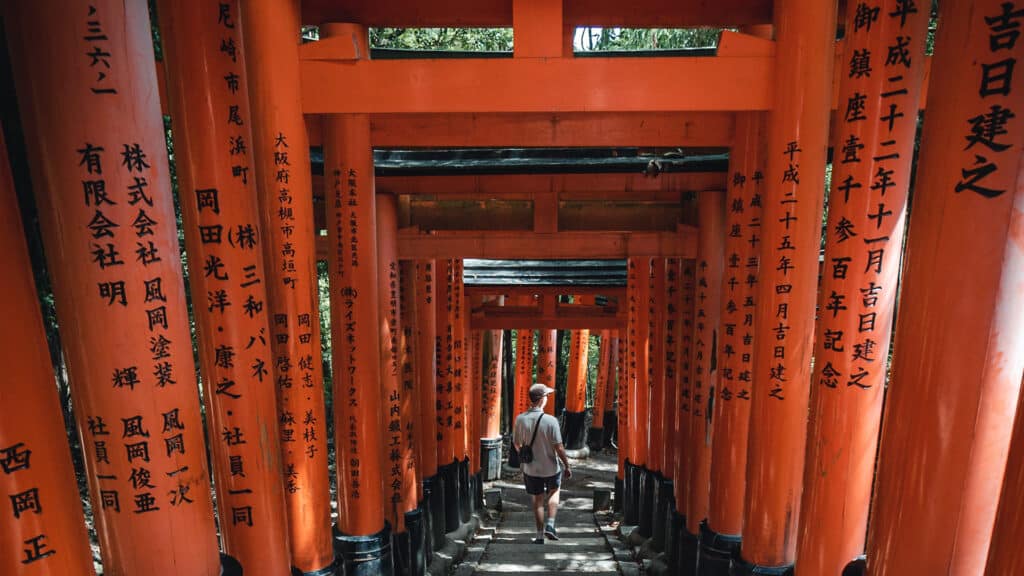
x=545 y=459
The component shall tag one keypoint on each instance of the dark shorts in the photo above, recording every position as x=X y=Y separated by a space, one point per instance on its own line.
x=539 y=485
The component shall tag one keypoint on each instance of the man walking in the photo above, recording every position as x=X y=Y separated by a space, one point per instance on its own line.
x=538 y=433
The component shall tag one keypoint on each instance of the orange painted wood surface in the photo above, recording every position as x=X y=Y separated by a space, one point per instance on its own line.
x=117 y=280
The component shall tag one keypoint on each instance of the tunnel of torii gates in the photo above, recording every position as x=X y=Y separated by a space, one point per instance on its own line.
x=744 y=356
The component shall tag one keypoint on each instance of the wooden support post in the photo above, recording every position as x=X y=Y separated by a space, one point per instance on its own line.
x=656 y=366
x=704 y=367
x=682 y=544
x=787 y=284
x=609 y=415
x=418 y=521
x=205 y=87
x=1006 y=556
x=672 y=323
x=524 y=369
x=428 y=350
x=870 y=180
x=547 y=359
x=280 y=155
x=576 y=391
x=355 y=324
x=99 y=182
x=490 y=431
x=736 y=347
x=446 y=396
x=600 y=389
x=396 y=454
x=462 y=393
x=957 y=369
x=537 y=29
x=34 y=455
x=399 y=466
x=476 y=362
x=643 y=398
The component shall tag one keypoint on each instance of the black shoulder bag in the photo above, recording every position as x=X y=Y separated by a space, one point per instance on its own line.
x=526 y=452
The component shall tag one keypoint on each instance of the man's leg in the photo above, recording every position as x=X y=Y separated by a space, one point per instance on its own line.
x=552 y=505
x=538 y=511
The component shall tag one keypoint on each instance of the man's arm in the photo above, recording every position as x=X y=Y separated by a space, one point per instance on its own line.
x=560 y=451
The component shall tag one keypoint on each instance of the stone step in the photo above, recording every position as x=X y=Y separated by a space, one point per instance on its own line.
x=512 y=550
x=532 y=566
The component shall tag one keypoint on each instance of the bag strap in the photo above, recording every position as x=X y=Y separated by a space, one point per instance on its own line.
x=536 y=427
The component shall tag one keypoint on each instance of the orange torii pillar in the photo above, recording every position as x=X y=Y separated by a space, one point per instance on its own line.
x=665 y=511
x=595 y=437
x=463 y=394
x=720 y=540
x=638 y=288
x=787 y=284
x=1005 y=555
x=355 y=330
x=647 y=402
x=415 y=508
x=222 y=226
x=397 y=453
x=447 y=464
x=627 y=392
x=867 y=210
x=547 y=360
x=575 y=435
x=608 y=415
x=35 y=467
x=523 y=379
x=678 y=536
x=704 y=373
x=118 y=285
x=650 y=525
x=475 y=415
x=280 y=153
x=622 y=438
x=429 y=434
x=490 y=431
x=958 y=363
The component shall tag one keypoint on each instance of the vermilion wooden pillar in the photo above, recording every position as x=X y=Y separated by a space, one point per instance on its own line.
x=35 y=468
x=355 y=325
x=681 y=540
x=595 y=437
x=704 y=368
x=398 y=465
x=576 y=390
x=643 y=399
x=99 y=180
x=463 y=393
x=656 y=365
x=735 y=347
x=446 y=432
x=867 y=209
x=665 y=510
x=280 y=155
x=959 y=352
x=476 y=364
x=524 y=370
x=1006 y=556
x=787 y=282
x=417 y=523
x=629 y=444
x=610 y=415
x=224 y=236
x=656 y=375
x=430 y=433
x=546 y=362
x=490 y=433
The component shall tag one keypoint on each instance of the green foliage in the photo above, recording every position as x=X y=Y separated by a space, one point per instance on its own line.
x=606 y=39
x=467 y=39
